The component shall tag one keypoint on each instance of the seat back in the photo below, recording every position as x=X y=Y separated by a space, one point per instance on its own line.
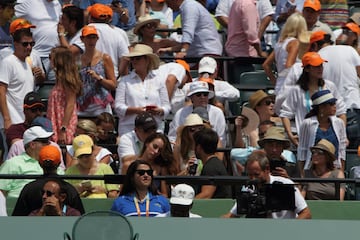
x=255 y=80
x=103 y=225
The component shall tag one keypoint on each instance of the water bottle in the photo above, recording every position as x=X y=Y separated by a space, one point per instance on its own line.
x=193 y=168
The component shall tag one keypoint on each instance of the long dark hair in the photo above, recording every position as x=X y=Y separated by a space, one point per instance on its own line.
x=129 y=185
x=303 y=81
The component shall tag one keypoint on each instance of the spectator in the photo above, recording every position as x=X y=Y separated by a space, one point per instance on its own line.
x=246 y=128
x=321 y=123
x=284 y=9
x=258 y=168
x=274 y=143
x=87 y=165
x=139 y=196
x=199 y=34
x=105 y=123
x=349 y=36
x=263 y=104
x=16 y=78
x=298 y=102
x=71 y=22
x=322 y=166
x=88 y=127
x=141 y=90
x=54 y=195
x=184 y=148
x=97 y=75
x=145 y=28
x=111 y=40
x=311 y=13
x=26 y=163
x=199 y=94
x=33 y=107
x=205 y=147
x=160 y=10
x=181 y=202
x=6 y=14
x=62 y=110
x=132 y=142
x=30 y=197
x=285 y=51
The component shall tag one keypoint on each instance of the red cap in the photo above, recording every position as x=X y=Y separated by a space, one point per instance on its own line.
x=100 y=11
x=20 y=23
x=317 y=36
x=50 y=153
x=312 y=59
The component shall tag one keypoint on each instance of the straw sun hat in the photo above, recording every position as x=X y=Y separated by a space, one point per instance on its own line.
x=143 y=20
x=144 y=50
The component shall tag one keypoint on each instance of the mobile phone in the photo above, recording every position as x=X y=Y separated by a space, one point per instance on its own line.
x=86 y=184
x=150 y=107
x=276 y=163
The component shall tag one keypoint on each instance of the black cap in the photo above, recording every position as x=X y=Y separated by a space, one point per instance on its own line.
x=33 y=100
x=145 y=121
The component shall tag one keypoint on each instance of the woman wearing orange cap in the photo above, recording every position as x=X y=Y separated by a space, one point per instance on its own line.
x=98 y=77
x=298 y=102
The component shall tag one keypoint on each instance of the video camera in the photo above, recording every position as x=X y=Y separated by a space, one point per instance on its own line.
x=260 y=200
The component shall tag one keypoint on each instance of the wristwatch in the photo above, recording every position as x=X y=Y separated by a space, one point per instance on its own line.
x=183 y=50
x=63 y=128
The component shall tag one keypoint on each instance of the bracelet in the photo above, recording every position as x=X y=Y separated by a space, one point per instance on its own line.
x=123 y=13
x=61 y=34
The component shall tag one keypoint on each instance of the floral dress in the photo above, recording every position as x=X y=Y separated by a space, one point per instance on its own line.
x=56 y=111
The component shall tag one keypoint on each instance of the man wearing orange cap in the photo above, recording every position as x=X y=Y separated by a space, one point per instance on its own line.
x=30 y=197
x=16 y=76
x=311 y=13
x=111 y=40
x=349 y=36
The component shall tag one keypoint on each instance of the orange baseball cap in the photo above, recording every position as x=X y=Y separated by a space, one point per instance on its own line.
x=353 y=27
x=20 y=23
x=50 y=153
x=88 y=30
x=314 y=4
x=312 y=59
x=100 y=11
x=187 y=68
x=317 y=36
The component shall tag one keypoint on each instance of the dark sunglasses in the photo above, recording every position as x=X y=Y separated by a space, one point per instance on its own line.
x=317 y=151
x=150 y=25
x=43 y=140
x=25 y=44
x=136 y=58
x=142 y=172
x=205 y=94
x=195 y=129
x=268 y=102
x=48 y=193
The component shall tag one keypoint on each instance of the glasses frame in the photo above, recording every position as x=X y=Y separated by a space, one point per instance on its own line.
x=142 y=172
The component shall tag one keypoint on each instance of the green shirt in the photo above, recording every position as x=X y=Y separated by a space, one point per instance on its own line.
x=22 y=164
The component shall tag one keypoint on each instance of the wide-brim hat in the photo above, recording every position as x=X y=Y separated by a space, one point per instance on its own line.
x=304 y=43
x=143 y=20
x=144 y=50
x=193 y=119
x=257 y=97
x=274 y=134
x=356 y=18
x=252 y=119
x=326 y=146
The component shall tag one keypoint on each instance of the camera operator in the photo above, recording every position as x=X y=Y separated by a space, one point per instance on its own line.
x=258 y=168
x=274 y=143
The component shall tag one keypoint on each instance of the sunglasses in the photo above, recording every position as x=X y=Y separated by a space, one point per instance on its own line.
x=150 y=25
x=268 y=102
x=204 y=94
x=136 y=58
x=25 y=44
x=142 y=172
x=48 y=193
x=195 y=129
x=317 y=152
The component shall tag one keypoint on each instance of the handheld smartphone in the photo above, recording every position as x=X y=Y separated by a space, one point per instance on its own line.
x=86 y=184
x=150 y=107
x=276 y=163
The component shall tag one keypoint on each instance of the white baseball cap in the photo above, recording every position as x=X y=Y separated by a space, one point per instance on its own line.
x=199 y=87
x=35 y=132
x=182 y=194
x=207 y=64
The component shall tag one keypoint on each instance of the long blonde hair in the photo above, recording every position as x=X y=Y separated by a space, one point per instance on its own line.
x=67 y=73
x=293 y=27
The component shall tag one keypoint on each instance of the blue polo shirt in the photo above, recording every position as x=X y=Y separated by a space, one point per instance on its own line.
x=125 y=205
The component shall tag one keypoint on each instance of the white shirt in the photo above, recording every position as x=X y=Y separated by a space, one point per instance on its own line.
x=18 y=77
x=133 y=92
x=300 y=203
x=216 y=118
x=129 y=145
x=341 y=70
x=168 y=214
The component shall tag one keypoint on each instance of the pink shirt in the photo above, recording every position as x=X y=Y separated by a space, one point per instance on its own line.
x=243 y=28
